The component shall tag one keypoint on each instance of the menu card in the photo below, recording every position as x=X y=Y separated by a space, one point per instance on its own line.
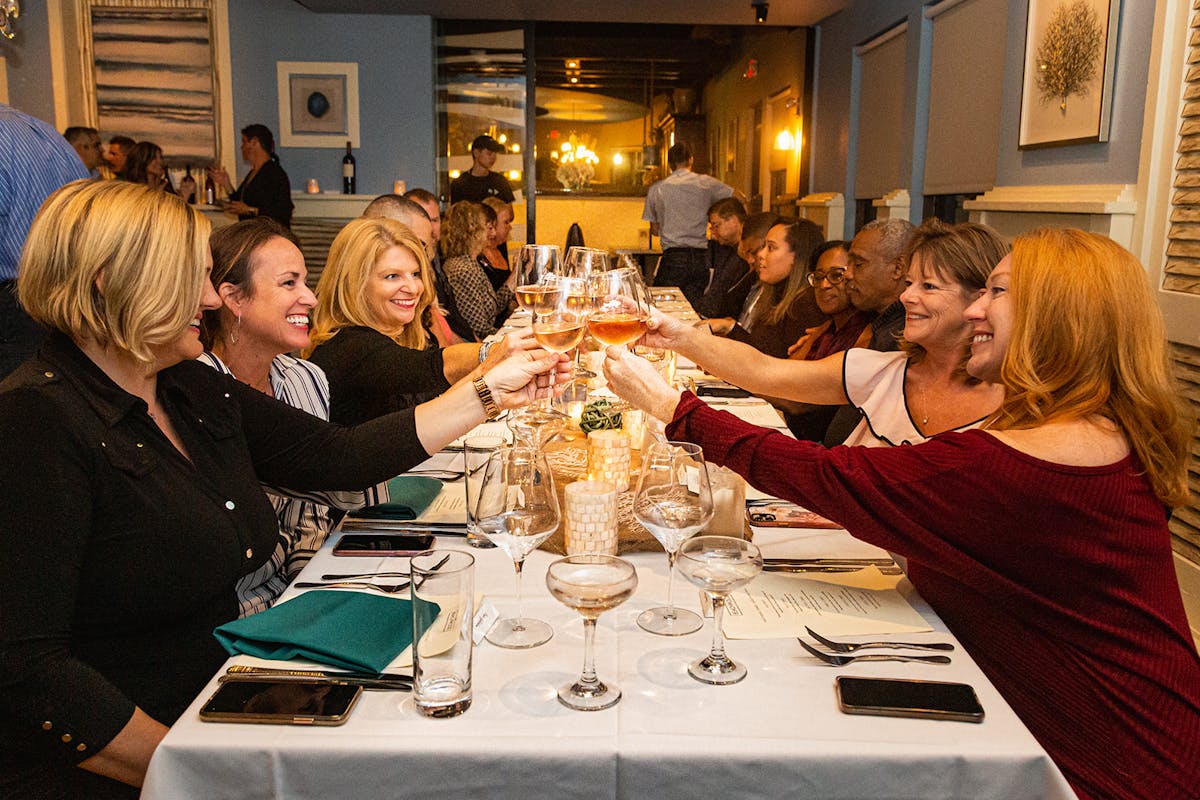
x=779 y=605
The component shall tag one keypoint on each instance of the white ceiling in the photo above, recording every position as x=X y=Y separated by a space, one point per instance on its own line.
x=686 y=12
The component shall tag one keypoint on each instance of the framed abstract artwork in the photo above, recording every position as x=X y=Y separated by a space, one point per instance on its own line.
x=1070 y=60
x=318 y=104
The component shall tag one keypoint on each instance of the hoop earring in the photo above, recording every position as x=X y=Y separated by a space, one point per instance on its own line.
x=233 y=334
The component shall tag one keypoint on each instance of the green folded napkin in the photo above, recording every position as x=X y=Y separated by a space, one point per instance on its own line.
x=351 y=630
x=408 y=497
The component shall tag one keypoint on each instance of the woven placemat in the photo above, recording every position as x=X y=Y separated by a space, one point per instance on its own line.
x=568 y=461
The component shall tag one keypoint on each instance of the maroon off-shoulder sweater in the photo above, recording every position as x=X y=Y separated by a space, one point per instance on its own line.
x=1057 y=579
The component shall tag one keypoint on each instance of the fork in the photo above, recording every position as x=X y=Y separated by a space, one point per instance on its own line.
x=353 y=576
x=850 y=647
x=390 y=589
x=835 y=660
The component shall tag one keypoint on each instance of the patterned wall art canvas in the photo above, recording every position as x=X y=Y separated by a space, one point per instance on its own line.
x=153 y=78
x=1070 y=55
x=318 y=103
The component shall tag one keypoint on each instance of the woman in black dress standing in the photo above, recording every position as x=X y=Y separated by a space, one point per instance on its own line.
x=265 y=191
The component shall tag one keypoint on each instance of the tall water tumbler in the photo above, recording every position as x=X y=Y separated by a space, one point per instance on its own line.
x=443 y=609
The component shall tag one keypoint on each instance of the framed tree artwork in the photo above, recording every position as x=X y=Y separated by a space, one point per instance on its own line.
x=1070 y=60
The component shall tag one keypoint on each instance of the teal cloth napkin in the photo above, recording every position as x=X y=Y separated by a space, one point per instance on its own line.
x=408 y=497
x=350 y=630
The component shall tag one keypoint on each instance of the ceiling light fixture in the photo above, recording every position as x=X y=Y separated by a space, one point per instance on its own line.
x=760 y=10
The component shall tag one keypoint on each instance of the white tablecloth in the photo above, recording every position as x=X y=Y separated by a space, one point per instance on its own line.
x=778 y=733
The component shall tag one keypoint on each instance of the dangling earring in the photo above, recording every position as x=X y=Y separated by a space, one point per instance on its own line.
x=233 y=334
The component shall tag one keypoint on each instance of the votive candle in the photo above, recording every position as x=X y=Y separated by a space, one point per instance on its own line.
x=608 y=457
x=591 y=523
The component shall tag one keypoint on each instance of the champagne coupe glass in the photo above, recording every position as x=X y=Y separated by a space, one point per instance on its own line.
x=718 y=565
x=517 y=508
x=538 y=268
x=583 y=262
x=591 y=584
x=673 y=501
x=620 y=306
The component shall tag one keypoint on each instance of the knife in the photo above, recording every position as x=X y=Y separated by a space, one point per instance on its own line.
x=385 y=680
x=835 y=562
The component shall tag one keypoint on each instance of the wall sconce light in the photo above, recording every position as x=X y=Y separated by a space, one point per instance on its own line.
x=514 y=174
x=760 y=10
x=10 y=10
x=784 y=140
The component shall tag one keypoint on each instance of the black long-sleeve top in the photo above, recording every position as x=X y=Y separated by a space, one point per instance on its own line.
x=120 y=555
x=370 y=375
x=269 y=191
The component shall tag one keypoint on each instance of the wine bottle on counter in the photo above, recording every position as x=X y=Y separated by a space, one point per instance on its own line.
x=193 y=196
x=210 y=191
x=348 y=171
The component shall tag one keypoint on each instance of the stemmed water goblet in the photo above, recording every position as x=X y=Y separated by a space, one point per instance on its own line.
x=620 y=306
x=718 y=565
x=591 y=584
x=673 y=501
x=517 y=508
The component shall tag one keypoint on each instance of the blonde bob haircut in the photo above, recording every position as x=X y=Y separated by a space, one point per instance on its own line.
x=1088 y=339
x=342 y=300
x=116 y=263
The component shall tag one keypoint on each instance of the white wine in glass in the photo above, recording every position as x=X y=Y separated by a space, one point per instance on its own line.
x=538 y=268
x=591 y=584
x=718 y=565
x=517 y=508
x=673 y=502
x=561 y=319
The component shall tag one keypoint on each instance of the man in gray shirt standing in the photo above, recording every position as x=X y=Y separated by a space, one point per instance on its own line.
x=677 y=210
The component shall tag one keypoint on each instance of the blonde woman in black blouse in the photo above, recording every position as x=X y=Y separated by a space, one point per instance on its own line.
x=131 y=472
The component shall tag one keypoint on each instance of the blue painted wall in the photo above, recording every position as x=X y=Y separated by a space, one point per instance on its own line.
x=1114 y=161
x=28 y=59
x=395 y=86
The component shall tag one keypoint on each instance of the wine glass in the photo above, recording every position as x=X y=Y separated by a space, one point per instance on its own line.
x=583 y=262
x=673 y=502
x=620 y=306
x=538 y=268
x=591 y=584
x=718 y=565
x=517 y=508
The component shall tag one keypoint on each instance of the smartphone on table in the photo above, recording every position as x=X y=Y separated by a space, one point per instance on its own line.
x=891 y=697
x=382 y=544
x=281 y=702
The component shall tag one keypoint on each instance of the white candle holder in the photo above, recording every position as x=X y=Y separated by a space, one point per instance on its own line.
x=591 y=519
x=608 y=457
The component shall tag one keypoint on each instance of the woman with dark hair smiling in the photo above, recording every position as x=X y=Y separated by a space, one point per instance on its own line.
x=266 y=190
x=1041 y=539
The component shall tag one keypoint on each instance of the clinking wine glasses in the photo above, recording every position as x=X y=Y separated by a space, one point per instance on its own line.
x=517 y=508
x=620 y=306
x=538 y=268
x=673 y=502
x=583 y=263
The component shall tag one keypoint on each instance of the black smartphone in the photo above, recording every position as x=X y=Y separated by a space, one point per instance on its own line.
x=382 y=544
x=704 y=390
x=886 y=697
x=281 y=702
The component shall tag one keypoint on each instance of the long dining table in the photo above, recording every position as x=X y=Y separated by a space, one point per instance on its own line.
x=777 y=733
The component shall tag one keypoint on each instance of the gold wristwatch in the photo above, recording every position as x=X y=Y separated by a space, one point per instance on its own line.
x=485 y=396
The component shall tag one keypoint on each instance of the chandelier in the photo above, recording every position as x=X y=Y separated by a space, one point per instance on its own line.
x=10 y=9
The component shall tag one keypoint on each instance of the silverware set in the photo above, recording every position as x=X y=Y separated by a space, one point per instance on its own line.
x=828 y=565
x=843 y=654
x=361 y=580
x=384 y=681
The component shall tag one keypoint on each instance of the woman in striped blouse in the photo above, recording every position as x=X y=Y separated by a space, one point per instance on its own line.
x=259 y=273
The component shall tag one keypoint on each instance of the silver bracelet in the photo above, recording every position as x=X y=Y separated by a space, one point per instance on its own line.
x=484 y=350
